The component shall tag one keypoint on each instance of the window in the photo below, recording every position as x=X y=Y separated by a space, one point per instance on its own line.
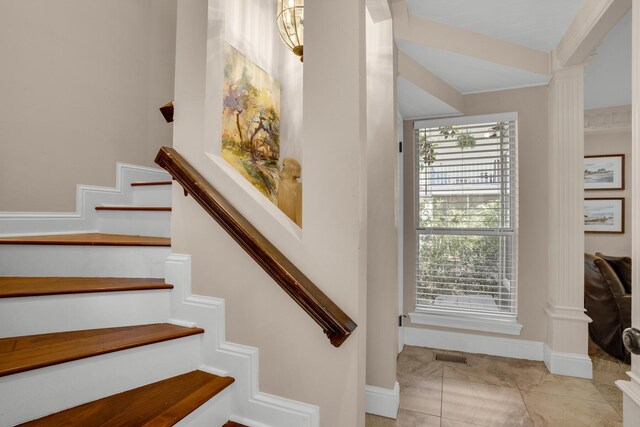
x=467 y=218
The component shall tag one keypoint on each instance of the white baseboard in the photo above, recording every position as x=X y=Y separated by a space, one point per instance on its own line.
x=472 y=343
x=569 y=364
x=631 y=395
x=382 y=401
x=251 y=405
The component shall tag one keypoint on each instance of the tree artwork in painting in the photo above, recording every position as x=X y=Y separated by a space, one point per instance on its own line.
x=251 y=122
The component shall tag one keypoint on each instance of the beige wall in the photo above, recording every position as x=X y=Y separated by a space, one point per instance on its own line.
x=531 y=106
x=611 y=143
x=296 y=359
x=81 y=83
x=382 y=229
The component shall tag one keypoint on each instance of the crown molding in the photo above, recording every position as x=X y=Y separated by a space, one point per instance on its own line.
x=608 y=120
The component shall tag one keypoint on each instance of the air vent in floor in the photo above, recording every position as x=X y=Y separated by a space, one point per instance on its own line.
x=453 y=358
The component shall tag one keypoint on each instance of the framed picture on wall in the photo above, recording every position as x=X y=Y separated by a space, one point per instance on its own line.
x=605 y=172
x=604 y=215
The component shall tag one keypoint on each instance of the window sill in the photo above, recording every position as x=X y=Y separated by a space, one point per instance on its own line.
x=499 y=326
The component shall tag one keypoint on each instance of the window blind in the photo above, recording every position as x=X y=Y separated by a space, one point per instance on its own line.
x=467 y=219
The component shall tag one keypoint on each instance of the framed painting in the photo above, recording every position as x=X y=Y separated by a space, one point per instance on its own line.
x=605 y=172
x=251 y=122
x=604 y=215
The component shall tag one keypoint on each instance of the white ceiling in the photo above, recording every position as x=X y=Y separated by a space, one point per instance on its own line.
x=413 y=102
x=467 y=74
x=538 y=24
x=608 y=77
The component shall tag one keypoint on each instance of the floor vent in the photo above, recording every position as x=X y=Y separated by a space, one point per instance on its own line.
x=451 y=358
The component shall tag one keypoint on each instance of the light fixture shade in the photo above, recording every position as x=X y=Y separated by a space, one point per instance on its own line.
x=290 y=19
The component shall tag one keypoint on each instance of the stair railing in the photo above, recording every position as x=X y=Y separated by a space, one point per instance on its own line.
x=333 y=321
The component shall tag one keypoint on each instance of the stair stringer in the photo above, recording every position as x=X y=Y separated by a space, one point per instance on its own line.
x=85 y=219
x=250 y=405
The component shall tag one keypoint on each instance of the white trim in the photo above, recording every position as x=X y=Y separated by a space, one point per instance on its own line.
x=85 y=219
x=608 y=120
x=465 y=120
x=420 y=76
x=83 y=261
x=631 y=391
x=475 y=323
x=591 y=24
x=500 y=89
x=60 y=313
x=448 y=37
x=47 y=233
x=34 y=394
x=246 y=421
x=472 y=343
x=239 y=361
x=574 y=314
x=382 y=401
x=379 y=10
x=434 y=116
x=569 y=364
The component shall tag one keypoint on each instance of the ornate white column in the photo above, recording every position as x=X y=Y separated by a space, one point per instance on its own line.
x=631 y=389
x=566 y=349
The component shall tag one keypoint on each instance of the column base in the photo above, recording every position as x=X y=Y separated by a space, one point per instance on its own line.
x=566 y=351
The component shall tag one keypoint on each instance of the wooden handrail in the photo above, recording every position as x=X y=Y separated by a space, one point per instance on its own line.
x=333 y=321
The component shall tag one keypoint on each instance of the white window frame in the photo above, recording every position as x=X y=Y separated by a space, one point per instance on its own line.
x=468 y=321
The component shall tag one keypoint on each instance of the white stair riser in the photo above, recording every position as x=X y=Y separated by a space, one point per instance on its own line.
x=59 y=313
x=136 y=223
x=40 y=392
x=85 y=218
x=215 y=412
x=82 y=261
x=152 y=195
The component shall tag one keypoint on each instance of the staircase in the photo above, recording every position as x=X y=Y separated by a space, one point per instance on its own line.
x=92 y=334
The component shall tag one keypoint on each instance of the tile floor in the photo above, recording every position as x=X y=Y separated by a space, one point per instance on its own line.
x=495 y=391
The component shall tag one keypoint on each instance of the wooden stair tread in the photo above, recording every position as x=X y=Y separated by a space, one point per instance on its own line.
x=11 y=287
x=135 y=208
x=151 y=183
x=20 y=354
x=162 y=403
x=87 y=239
x=233 y=424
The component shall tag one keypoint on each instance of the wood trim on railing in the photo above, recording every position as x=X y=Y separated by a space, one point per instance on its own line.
x=334 y=322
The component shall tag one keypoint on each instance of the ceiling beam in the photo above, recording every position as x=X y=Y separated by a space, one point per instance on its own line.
x=380 y=10
x=448 y=37
x=400 y=11
x=592 y=23
x=426 y=80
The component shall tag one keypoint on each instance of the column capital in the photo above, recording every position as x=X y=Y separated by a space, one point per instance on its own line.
x=568 y=73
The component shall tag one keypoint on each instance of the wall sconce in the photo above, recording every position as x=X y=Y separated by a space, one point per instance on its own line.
x=290 y=19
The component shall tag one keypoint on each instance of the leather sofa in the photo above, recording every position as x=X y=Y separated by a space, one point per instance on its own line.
x=607 y=299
